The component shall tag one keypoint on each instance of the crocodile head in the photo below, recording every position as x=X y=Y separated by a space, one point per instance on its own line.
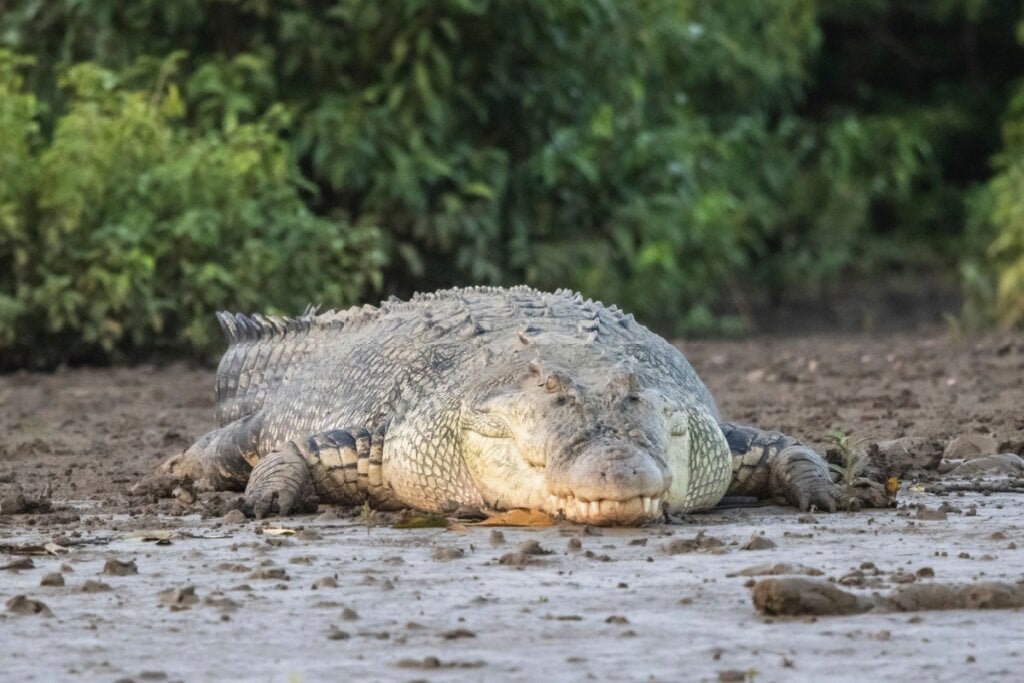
x=598 y=445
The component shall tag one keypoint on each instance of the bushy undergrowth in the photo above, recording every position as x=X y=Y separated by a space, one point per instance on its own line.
x=686 y=160
x=123 y=231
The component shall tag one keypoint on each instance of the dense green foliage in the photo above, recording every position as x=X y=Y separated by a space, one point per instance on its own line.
x=690 y=161
x=1003 y=205
x=123 y=231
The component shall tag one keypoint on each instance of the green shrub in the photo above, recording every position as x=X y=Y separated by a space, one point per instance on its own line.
x=125 y=231
x=689 y=161
x=1007 y=215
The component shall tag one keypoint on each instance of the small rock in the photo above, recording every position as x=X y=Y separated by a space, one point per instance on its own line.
x=234 y=517
x=701 y=541
x=337 y=634
x=970 y=446
x=1009 y=464
x=19 y=564
x=119 y=568
x=184 y=495
x=277 y=573
x=732 y=676
x=325 y=582
x=977 y=595
x=184 y=595
x=574 y=545
x=497 y=537
x=757 y=542
x=13 y=501
x=515 y=559
x=222 y=603
x=447 y=553
x=532 y=547
x=930 y=515
x=52 y=579
x=92 y=586
x=156 y=486
x=907 y=454
x=616 y=619
x=802 y=597
x=428 y=662
x=349 y=614
x=458 y=633
x=20 y=604
x=778 y=569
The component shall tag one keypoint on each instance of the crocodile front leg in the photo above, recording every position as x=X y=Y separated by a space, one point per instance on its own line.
x=337 y=466
x=773 y=465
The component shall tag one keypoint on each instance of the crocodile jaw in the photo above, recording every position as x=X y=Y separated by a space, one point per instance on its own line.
x=607 y=511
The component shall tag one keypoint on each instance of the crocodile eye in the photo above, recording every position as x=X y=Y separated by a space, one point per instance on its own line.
x=488 y=425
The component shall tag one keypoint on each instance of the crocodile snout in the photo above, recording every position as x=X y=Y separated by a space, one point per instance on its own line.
x=609 y=483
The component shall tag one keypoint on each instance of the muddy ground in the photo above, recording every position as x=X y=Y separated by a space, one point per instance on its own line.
x=139 y=591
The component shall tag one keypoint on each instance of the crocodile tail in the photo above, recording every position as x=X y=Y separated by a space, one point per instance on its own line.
x=260 y=351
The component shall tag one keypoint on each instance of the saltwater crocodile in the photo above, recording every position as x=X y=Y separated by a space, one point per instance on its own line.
x=484 y=398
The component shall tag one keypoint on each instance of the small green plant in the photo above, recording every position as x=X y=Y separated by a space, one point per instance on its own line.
x=367 y=515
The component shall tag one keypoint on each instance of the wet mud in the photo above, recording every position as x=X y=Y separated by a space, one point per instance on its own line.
x=100 y=582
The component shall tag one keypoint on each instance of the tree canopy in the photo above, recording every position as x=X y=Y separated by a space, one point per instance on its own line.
x=687 y=160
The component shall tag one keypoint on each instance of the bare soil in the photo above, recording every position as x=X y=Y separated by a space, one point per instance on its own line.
x=343 y=594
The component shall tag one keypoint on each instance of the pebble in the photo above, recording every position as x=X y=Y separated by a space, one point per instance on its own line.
x=970 y=446
x=18 y=564
x=21 y=604
x=234 y=517
x=799 y=597
x=119 y=568
x=447 y=553
x=532 y=547
x=1003 y=463
x=515 y=559
x=52 y=579
x=269 y=573
x=758 y=542
x=182 y=595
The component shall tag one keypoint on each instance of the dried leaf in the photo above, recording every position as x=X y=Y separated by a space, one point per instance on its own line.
x=518 y=517
x=892 y=485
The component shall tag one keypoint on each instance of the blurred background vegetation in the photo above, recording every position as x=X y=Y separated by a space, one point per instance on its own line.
x=707 y=165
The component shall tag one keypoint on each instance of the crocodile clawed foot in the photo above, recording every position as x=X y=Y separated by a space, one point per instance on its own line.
x=280 y=484
x=802 y=478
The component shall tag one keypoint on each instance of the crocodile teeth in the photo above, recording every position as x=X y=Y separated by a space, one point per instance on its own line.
x=649 y=507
